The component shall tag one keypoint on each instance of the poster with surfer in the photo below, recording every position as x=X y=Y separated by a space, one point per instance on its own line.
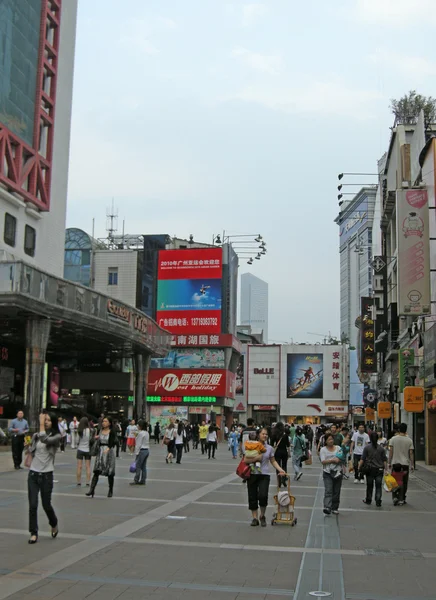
x=305 y=376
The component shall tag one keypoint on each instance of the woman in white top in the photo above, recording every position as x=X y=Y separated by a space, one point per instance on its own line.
x=212 y=440
x=131 y=433
x=74 y=426
x=40 y=481
x=169 y=440
x=142 y=451
x=180 y=441
x=332 y=480
x=85 y=437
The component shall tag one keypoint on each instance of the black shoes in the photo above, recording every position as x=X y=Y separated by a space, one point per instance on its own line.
x=255 y=523
x=262 y=521
x=327 y=511
x=110 y=494
x=54 y=532
x=33 y=539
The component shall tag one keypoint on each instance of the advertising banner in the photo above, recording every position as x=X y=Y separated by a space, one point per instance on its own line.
x=413 y=252
x=222 y=340
x=164 y=415
x=340 y=410
x=189 y=293
x=240 y=374
x=304 y=376
x=190 y=358
x=406 y=359
x=180 y=382
x=263 y=386
x=430 y=357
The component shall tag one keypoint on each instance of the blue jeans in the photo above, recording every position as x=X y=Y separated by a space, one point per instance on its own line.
x=141 y=466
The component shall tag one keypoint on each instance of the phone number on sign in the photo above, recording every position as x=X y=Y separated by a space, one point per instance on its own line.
x=199 y=321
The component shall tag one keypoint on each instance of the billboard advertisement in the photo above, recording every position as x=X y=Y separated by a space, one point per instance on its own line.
x=263 y=375
x=351 y=225
x=304 y=376
x=189 y=294
x=20 y=24
x=164 y=415
x=190 y=358
x=183 y=382
x=240 y=374
x=413 y=252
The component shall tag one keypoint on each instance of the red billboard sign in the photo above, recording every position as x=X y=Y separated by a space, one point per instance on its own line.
x=195 y=263
x=189 y=293
x=190 y=382
x=195 y=340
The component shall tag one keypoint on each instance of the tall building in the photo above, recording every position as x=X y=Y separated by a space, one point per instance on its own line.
x=355 y=241
x=254 y=304
x=62 y=345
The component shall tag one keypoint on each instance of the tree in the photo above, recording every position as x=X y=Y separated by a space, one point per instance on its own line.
x=407 y=108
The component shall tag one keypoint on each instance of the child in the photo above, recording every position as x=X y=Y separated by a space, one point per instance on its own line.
x=398 y=493
x=337 y=469
x=252 y=448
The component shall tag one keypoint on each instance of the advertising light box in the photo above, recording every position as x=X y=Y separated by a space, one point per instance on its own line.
x=180 y=382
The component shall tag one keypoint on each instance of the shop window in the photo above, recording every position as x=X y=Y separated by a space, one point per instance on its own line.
x=29 y=240
x=10 y=230
x=112 y=278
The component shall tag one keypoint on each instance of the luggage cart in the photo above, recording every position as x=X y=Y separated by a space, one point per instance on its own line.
x=284 y=514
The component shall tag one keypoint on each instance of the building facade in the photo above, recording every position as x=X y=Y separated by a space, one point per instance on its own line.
x=254 y=304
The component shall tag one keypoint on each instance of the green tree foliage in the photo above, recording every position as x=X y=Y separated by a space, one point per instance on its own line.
x=407 y=108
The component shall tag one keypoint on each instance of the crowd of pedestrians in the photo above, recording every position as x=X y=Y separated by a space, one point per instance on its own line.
x=368 y=456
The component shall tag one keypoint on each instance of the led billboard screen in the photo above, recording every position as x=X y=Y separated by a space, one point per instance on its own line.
x=20 y=24
x=189 y=295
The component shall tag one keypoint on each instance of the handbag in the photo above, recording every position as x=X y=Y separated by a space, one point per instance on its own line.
x=28 y=460
x=243 y=470
x=166 y=441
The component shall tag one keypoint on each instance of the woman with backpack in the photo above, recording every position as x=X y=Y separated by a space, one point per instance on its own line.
x=373 y=464
x=299 y=451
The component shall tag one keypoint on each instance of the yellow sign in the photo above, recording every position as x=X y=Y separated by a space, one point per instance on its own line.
x=369 y=414
x=384 y=410
x=413 y=399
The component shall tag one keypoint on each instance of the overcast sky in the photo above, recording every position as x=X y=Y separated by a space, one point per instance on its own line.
x=199 y=116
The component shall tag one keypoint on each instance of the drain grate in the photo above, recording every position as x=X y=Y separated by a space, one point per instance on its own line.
x=393 y=553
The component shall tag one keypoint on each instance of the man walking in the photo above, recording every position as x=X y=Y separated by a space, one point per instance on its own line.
x=358 y=442
x=19 y=427
x=401 y=457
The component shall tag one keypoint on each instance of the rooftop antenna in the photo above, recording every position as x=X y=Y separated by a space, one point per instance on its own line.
x=111 y=222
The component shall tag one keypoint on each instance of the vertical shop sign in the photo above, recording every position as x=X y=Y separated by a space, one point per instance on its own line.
x=368 y=362
x=413 y=252
x=406 y=359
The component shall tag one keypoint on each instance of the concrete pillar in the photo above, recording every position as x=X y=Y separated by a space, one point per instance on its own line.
x=37 y=336
x=141 y=365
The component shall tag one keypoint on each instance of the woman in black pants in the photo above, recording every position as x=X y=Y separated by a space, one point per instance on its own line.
x=258 y=484
x=40 y=481
x=374 y=458
x=280 y=439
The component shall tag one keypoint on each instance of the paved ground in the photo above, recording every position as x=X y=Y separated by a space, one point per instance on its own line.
x=186 y=535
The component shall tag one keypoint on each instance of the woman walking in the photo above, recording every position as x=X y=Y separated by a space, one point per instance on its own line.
x=375 y=463
x=169 y=440
x=105 y=458
x=142 y=451
x=258 y=484
x=40 y=480
x=131 y=433
x=280 y=439
x=332 y=474
x=85 y=437
x=299 y=450
x=234 y=441
x=62 y=427
x=180 y=441
x=74 y=426
x=212 y=441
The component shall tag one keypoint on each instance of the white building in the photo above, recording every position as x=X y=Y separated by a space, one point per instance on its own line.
x=254 y=304
x=30 y=231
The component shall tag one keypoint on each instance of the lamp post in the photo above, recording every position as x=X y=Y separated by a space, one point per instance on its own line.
x=252 y=249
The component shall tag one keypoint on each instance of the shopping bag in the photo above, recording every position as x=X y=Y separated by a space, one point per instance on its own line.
x=243 y=470
x=309 y=460
x=132 y=467
x=350 y=467
x=389 y=483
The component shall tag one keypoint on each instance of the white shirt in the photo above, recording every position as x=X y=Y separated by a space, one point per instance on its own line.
x=360 y=441
x=142 y=441
x=211 y=436
x=326 y=454
x=180 y=438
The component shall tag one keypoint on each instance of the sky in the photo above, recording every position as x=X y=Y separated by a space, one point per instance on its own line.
x=204 y=116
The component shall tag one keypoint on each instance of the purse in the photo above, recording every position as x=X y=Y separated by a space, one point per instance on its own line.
x=28 y=460
x=166 y=441
x=243 y=470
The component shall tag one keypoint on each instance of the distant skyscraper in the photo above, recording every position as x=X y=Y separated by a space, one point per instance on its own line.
x=254 y=304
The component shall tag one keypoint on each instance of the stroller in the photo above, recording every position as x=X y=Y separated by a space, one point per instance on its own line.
x=285 y=505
